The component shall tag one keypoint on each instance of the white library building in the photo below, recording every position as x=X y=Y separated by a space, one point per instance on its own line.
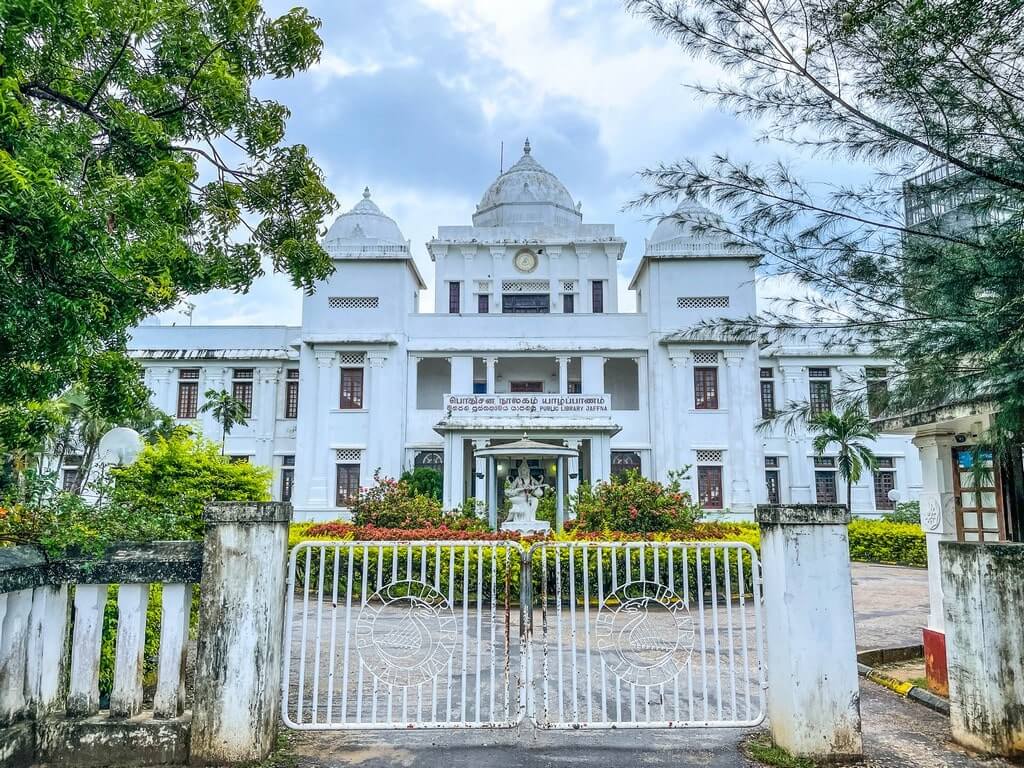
x=526 y=348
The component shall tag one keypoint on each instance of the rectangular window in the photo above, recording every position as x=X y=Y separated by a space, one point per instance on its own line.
x=568 y=303
x=767 y=399
x=574 y=387
x=291 y=394
x=241 y=388
x=525 y=303
x=597 y=296
x=825 y=487
x=771 y=461
x=877 y=390
x=819 y=373
x=347 y=485
x=526 y=386
x=287 y=477
x=70 y=478
x=821 y=397
x=351 y=389
x=483 y=303
x=709 y=487
x=705 y=388
x=188 y=393
x=885 y=481
x=479 y=387
x=771 y=481
x=454 y=298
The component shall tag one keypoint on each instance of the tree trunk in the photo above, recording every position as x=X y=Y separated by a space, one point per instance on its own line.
x=849 y=494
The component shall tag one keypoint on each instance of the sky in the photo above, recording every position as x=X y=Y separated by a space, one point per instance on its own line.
x=414 y=98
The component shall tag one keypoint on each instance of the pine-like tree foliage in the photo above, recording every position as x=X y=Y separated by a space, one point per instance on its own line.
x=925 y=263
x=137 y=166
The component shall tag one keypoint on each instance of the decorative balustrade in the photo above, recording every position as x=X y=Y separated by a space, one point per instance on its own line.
x=38 y=677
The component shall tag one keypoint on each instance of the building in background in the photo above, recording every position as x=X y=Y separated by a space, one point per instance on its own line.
x=525 y=337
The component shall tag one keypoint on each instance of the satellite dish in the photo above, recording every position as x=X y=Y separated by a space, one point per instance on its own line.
x=893 y=495
x=120 y=446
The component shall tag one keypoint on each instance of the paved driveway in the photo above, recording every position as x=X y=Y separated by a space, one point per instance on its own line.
x=890 y=604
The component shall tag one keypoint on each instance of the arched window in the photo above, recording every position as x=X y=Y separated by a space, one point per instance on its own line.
x=625 y=461
x=429 y=459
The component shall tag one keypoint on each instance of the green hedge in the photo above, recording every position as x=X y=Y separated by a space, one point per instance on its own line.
x=605 y=565
x=881 y=541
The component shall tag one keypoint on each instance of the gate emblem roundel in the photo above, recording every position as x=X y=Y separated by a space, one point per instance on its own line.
x=405 y=634
x=645 y=633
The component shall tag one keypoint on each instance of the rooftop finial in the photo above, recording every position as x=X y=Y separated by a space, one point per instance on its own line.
x=526 y=147
x=366 y=193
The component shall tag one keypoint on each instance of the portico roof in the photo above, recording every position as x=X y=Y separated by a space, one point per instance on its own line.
x=526 y=447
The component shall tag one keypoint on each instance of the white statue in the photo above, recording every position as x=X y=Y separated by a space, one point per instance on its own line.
x=524 y=492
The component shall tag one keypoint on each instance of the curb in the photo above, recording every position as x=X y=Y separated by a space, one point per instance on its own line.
x=905 y=689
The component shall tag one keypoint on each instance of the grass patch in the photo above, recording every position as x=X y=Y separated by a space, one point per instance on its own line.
x=920 y=682
x=282 y=756
x=761 y=749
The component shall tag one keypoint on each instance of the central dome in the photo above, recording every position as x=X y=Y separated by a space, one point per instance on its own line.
x=527 y=193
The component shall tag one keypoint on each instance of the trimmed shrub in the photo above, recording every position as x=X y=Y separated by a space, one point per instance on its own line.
x=881 y=541
x=424 y=481
x=391 y=503
x=634 y=504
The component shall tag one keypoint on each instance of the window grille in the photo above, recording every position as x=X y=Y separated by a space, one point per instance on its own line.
x=767 y=399
x=709 y=456
x=825 y=487
x=702 y=302
x=568 y=286
x=454 y=298
x=821 y=397
x=824 y=461
x=771 y=461
x=885 y=481
x=767 y=373
x=353 y=358
x=597 y=296
x=771 y=481
x=291 y=394
x=705 y=358
x=819 y=373
x=524 y=286
x=483 y=286
x=353 y=302
x=348 y=454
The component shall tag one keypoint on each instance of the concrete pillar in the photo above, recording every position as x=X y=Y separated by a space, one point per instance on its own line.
x=236 y=704
x=682 y=402
x=813 y=692
x=375 y=403
x=456 y=470
x=14 y=650
x=573 y=468
x=490 y=362
x=48 y=628
x=938 y=516
x=563 y=374
x=938 y=520
x=983 y=588
x=318 y=454
x=126 y=696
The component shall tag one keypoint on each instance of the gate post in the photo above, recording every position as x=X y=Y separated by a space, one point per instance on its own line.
x=236 y=705
x=811 y=654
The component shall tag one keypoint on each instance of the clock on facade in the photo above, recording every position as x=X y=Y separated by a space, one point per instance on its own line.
x=525 y=260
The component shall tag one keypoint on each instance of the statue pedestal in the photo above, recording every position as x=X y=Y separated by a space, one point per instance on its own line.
x=527 y=527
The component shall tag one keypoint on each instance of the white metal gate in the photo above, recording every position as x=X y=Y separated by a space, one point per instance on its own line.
x=602 y=635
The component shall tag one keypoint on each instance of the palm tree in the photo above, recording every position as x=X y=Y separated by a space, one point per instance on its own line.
x=848 y=430
x=227 y=410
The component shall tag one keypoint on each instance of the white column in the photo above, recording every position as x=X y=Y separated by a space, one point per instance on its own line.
x=126 y=696
x=412 y=382
x=318 y=455
x=797 y=446
x=14 y=650
x=490 y=362
x=84 y=686
x=375 y=403
x=592 y=370
x=563 y=374
x=811 y=654
x=159 y=382
x=47 y=637
x=740 y=498
x=938 y=513
x=680 y=407
x=456 y=470
x=216 y=379
x=265 y=407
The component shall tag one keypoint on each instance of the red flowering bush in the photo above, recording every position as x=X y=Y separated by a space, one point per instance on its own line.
x=395 y=504
x=349 y=532
x=633 y=504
